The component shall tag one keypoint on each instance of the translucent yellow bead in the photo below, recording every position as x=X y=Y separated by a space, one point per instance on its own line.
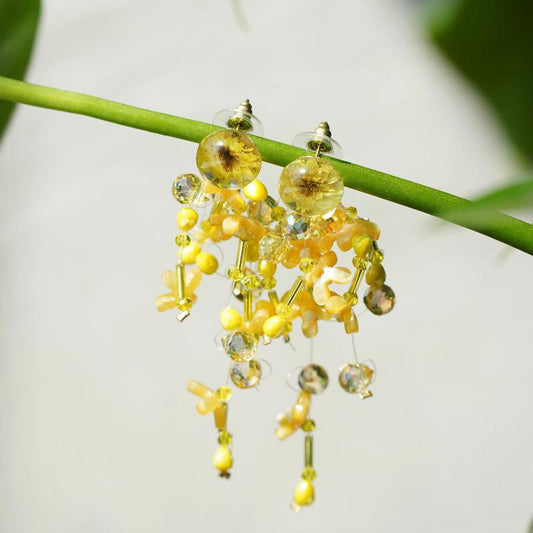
x=229 y=159
x=193 y=277
x=182 y=240
x=274 y=326
x=278 y=213
x=311 y=186
x=304 y=493
x=188 y=254
x=255 y=190
x=224 y=394
x=207 y=262
x=223 y=459
x=375 y=275
x=235 y=274
x=252 y=254
x=187 y=218
x=351 y=325
x=307 y=265
x=230 y=318
x=362 y=245
x=309 y=473
x=224 y=437
x=185 y=304
x=309 y=425
x=377 y=256
x=268 y=283
x=266 y=268
x=251 y=282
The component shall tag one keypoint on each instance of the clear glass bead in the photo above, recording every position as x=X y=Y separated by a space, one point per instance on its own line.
x=311 y=186
x=380 y=300
x=187 y=190
x=240 y=346
x=355 y=377
x=313 y=379
x=246 y=375
x=273 y=247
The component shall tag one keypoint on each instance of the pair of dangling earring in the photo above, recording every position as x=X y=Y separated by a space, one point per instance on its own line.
x=303 y=233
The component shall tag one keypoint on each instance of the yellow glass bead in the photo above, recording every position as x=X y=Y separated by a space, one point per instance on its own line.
x=188 y=254
x=351 y=325
x=255 y=191
x=185 y=304
x=359 y=262
x=351 y=214
x=229 y=159
x=375 y=275
x=362 y=245
x=377 y=256
x=223 y=459
x=207 y=262
x=309 y=473
x=224 y=437
x=307 y=265
x=230 y=318
x=310 y=186
x=278 y=213
x=274 y=326
x=235 y=274
x=291 y=258
x=304 y=493
x=309 y=425
x=187 y=218
x=182 y=240
x=251 y=282
x=193 y=277
x=350 y=298
x=266 y=268
x=224 y=394
x=269 y=283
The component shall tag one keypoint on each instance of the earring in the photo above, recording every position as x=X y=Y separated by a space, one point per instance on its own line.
x=313 y=379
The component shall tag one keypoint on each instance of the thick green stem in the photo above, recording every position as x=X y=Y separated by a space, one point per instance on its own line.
x=501 y=227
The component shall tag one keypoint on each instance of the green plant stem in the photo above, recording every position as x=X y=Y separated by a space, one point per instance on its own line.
x=504 y=228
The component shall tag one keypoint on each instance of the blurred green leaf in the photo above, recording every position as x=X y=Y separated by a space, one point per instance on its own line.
x=491 y=42
x=18 y=24
x=517 y=195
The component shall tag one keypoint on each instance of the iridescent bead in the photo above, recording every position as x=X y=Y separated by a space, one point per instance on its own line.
x=273 y=247
x=311 y=186
x=295 y=226
x=240 y=346
x=245 y=375
x=228 y=158
x=380 y=300
x=313 y=379
x=355 y=377
x=187 y=189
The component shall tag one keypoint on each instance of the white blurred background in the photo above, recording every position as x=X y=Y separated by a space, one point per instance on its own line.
x=97 y=431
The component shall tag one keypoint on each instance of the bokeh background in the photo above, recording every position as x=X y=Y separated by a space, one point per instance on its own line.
x=97 y=430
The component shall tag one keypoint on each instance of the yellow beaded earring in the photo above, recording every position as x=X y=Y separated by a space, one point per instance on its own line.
x=226 y=201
